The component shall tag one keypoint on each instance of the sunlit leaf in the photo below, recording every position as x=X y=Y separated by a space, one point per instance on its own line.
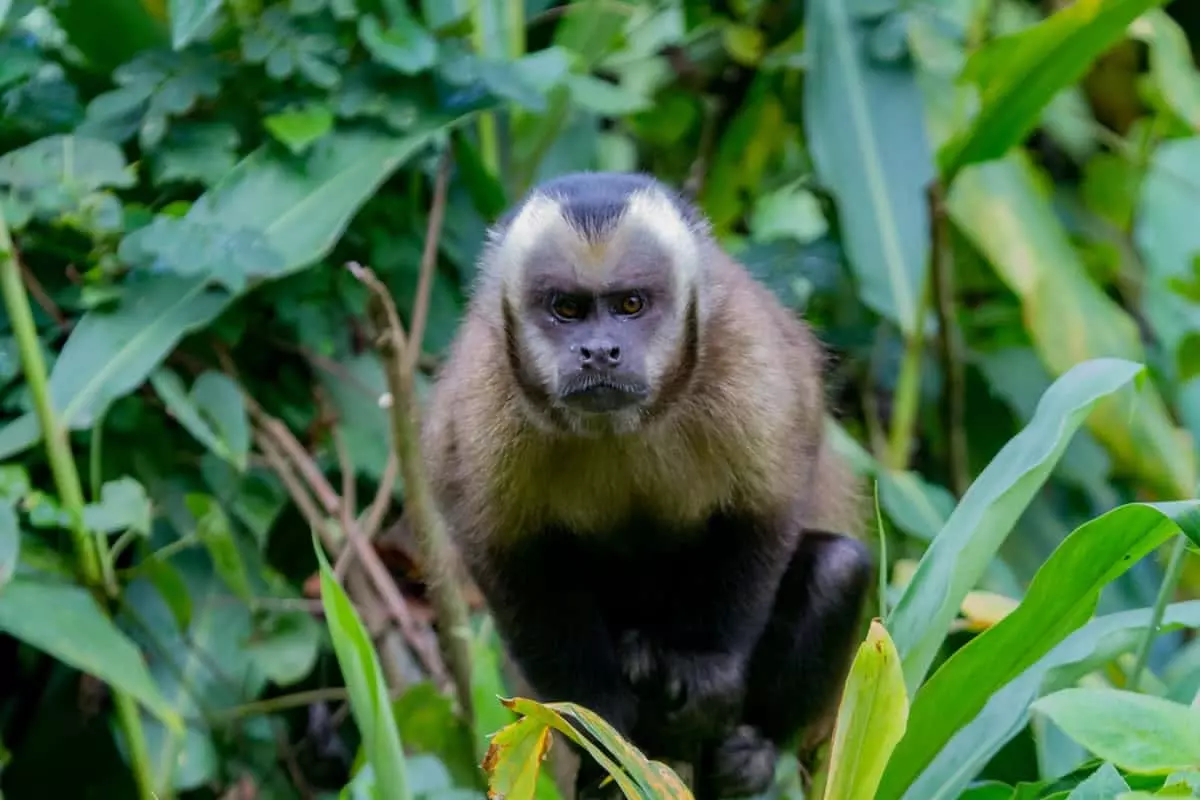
x=1137 y=732
x=959 y=554
x=123 y=505
x=1006 y=712
x=1020 y=73
x=300 y=127
x=1171 y=64
x=866 y=131
x=871 y=719
x=1061 y=598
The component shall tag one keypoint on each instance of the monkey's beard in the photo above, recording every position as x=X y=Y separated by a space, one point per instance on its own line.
x=596 y=405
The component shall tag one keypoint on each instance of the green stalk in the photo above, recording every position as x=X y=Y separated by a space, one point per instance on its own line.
x=908 y=391
x=66 y=481
x=1165 y=592
x=489 y=148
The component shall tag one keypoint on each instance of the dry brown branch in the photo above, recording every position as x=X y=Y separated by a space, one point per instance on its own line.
x=433 y=540
x=433 y=234
x=372 y=519
x=42 y=298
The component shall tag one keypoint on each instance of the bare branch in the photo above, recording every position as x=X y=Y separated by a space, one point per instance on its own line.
x=433 y=235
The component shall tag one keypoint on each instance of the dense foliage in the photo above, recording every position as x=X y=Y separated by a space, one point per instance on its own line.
x=978 y=204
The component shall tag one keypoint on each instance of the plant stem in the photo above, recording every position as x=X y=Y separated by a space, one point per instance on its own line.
x=58 y=449
x=908 y=389
x=66 y=479
x=950 y=344
x=489 y=148
x=1165 y=592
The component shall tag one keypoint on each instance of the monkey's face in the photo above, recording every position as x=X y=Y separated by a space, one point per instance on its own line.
x=593 y=306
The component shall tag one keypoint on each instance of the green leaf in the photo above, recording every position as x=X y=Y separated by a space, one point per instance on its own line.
x=1006 y=712
x=1137 y=732
x=212 y=529
x=60 y=177
x=1169 y=242
x=365 y=683
x=871 y=719
x=866 y=130
x=1019 y=74
x=301 y=209
x=64 y=621
x=285 y=646
x=171 y=586
x=960 y=553
x=788 y=213
x=123 y=505
x=10 y=541
x=1172 y=67
x=110 y=32
x=1100 y=785
x=184 y=410
x=188 y=18
x=405 y=46
x=1061 y=598
x=298 y=128
x=219 y=398
x=1002 y=212
x=196 y=151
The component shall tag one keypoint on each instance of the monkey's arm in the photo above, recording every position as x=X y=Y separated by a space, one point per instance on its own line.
x=553 y=626
x=726 y=589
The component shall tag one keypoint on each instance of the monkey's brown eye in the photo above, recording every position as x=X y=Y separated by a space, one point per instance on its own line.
x=567 y=308
x=631 y=304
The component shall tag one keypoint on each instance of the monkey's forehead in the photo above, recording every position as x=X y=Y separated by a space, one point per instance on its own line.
x=599 y=223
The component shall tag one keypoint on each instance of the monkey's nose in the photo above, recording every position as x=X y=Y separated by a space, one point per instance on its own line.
x=599 y=353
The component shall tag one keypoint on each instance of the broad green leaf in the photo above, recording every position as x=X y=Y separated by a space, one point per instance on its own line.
x=301 y=209
x=183 y=409
x=960 y=553
x=1100 y=785
x=64 y=621
x=1019 y=74
x=62 y=177
x=1061 y=598
x=213 y=531
x=298 y=128
x=111 y=32
x=788 y=213
x=1168 y=241
x=428 y=723
x=188 y=18
x=1172 y=67
x=123 y=505
x=405 y=46
x=866 y=130
x=219 y=398
x=285 y=646
x=201 y=668
x=1006 y=712
x=871 y=719
x=365 y=683
x=1001 y=210
x=1137 y=732
x=10 y=541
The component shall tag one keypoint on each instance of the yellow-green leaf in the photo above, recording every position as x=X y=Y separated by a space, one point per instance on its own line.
x=871 y=719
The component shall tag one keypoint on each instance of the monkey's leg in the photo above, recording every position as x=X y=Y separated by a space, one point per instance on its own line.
x=550 y=619
x=800 y=663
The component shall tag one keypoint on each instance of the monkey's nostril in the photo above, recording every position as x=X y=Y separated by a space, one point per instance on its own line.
x=585 y=353
x=615 y=353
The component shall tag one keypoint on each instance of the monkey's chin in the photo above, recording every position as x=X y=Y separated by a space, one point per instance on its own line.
x=591 y=394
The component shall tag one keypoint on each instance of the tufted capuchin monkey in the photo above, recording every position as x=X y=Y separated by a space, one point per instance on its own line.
x=626 y=442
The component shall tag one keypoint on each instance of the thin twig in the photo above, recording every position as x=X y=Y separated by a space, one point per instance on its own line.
x=372 y=519
x=43 y=299
x=433 y=234
x=949 y=341
x=1166 y=591
x=437 y=550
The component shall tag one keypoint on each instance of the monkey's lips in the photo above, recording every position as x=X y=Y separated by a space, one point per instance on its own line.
x=597 y=394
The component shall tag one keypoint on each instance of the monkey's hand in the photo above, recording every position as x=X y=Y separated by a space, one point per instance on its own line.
x=690 y=692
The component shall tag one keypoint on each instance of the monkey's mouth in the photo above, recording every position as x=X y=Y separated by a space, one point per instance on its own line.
x=601 y=394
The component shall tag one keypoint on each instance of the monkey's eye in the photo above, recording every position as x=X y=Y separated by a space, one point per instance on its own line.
x=566 y=307
x=631 y=304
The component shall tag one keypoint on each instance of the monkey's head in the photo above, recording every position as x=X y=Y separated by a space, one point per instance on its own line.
x=598 y=277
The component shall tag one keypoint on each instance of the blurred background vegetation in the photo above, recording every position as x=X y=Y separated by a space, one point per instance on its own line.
x=966 y=198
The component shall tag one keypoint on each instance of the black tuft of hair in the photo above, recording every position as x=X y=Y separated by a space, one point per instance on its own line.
x=592 y=202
